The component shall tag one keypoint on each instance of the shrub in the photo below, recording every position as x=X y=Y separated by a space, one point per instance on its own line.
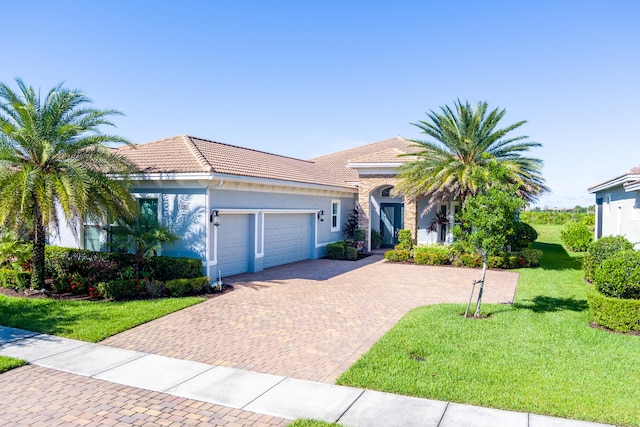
x=336 y=250
x=165 y=268
x=602 y=249
x=122 y=289
x=351 y=253
x=183 y=287
x=155 y=288
x=405 y=242
x=523 y=235
x=620 y=315
x=15 y=279
x=576 y=236
x=432 y=255
x=376 y=239
x=619 y=275
x=531 y=257
x=397 y=255
x=467 y=260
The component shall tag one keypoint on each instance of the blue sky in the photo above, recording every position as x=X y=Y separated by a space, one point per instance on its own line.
x=304 y=78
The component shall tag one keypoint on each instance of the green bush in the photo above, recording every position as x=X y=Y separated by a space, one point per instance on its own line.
x=555 y=217
x=336 y=250
x=600 y=250
x=405 y=242
x=523 y=235
x=531 y=257
x=576 y=236
x=397 y=255
x=122 y=289
x=432 y=255
x=165 y=268
x=376 y=239
x=62 y=263
x=467 y=260
x=15 y=279
x=620 y=315
x=619 y=275
x=351 y=253
x=155 y=288
x=183 y=287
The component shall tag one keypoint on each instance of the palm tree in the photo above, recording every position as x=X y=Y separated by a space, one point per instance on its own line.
x=55 y=162
x=465 y=141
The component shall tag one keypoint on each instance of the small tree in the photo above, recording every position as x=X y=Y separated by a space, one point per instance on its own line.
x=489 y=220
x=143 y=235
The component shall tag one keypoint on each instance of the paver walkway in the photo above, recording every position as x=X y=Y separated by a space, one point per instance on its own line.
x=308 y=320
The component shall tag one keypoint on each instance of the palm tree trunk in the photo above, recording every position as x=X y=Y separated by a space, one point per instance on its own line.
x=39 y=242
x=485 y=261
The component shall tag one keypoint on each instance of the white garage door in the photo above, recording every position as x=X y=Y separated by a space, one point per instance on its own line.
x=286 y=238
x=234 y=245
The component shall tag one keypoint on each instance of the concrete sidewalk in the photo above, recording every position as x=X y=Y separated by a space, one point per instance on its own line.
x=256 y=392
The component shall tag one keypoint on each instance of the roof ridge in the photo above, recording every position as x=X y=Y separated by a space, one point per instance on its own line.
x=250 y=149
x=361 y=146
x=202 y=161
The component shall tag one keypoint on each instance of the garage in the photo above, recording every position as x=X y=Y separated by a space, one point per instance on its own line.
x=287 y=238
x=235 y=245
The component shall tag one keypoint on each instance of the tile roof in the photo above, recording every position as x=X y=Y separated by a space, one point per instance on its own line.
x=626 y=179
x=378 y=152
x=187 y=154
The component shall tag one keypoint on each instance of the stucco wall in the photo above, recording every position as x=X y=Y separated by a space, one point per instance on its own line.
x=620 y=214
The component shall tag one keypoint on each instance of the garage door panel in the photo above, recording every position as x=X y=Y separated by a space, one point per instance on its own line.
x=287 y=238
x=234 y=244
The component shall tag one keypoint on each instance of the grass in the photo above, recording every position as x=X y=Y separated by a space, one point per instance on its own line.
x=538 y=355
x=300 y=422
x=7 y=363
x=90 y=321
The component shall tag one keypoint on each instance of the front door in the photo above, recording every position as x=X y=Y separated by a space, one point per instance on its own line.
x=391 y=221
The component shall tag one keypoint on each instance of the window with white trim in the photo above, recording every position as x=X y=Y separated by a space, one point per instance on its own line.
x=335 y=215
x=91 y=237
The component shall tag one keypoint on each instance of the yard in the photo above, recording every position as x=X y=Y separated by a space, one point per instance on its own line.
x=539 y=355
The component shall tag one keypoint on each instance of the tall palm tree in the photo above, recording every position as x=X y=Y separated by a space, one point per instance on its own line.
x=55 y=162
x=464 y=141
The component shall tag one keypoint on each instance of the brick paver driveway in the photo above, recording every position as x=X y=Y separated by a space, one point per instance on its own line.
x=308 y=320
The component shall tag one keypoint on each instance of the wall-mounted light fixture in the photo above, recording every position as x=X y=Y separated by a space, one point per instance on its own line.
x=214 y=217
x=321 y=215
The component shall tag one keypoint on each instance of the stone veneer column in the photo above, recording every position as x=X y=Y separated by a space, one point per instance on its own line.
x=368 y=183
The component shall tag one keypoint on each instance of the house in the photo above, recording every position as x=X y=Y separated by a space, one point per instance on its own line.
x=618 y=206
x=240 y=209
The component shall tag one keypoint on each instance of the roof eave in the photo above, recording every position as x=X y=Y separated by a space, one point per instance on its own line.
x=613 y=183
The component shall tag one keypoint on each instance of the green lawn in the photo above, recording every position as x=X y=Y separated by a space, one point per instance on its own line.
x=7 y=363
x=85 y=320
x=539 y=355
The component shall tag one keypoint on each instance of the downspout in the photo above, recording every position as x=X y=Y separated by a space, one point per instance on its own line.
x=208 y=232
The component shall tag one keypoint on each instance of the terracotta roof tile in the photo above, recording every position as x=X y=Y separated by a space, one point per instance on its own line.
x=336 y=163
x=186 y=154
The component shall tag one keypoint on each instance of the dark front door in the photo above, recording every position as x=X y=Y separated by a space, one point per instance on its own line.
x=391 y=221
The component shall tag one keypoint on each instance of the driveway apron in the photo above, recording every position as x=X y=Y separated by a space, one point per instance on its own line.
x=309 y=320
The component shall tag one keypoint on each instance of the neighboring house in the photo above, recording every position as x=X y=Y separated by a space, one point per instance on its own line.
x=618 y=206
x=270 y=209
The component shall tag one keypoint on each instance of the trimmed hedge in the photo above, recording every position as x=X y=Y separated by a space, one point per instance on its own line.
x=602 y=249
x=62 y=263
x=432 y=255
x=351 y=253
x=15 y=279
x=467 y=260
x=336 y=250
x=576 y=236
x=405 y=242
x=183 y=287
x=122 y=289
x=523 y=236
x=620 y=315
x=619 y=275
x=397 y=255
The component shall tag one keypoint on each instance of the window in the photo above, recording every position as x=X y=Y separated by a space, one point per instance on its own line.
x=386 y=192
x=149 y=208
x=92 y=237
x=607 y=204
x=335 y=215
x=443 y=227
